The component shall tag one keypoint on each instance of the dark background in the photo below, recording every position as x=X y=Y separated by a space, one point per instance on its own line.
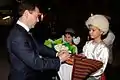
x=63 y=14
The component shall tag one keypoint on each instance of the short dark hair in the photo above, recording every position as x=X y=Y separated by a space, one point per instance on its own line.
x=26 y=6
x=71 y=34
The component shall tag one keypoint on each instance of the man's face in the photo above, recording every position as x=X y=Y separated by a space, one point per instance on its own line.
x=33 y=17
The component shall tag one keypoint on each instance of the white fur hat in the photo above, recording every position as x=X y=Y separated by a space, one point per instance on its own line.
x=99 y=21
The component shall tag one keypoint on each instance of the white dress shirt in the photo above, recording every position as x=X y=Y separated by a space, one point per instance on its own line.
x=23 y=25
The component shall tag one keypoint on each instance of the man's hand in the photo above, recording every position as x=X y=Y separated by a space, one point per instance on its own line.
x=63 y=55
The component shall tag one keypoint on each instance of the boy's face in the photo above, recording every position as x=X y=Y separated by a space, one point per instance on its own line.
x=94 y=32
x=68 y=38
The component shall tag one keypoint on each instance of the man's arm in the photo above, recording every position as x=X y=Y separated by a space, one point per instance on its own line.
x=21 y=48
x=46 y=51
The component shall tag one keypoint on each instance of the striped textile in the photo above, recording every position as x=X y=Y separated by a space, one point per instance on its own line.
x=84 y=67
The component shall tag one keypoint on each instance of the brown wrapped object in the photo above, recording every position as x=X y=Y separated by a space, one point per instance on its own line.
x=83 y=67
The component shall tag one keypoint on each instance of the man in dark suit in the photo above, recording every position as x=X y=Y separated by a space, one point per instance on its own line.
x=27 y=59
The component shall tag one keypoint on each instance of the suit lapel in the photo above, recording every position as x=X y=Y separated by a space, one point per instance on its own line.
x=30 y=38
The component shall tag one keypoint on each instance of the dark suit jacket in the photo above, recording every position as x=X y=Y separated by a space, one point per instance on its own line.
x=27 y=59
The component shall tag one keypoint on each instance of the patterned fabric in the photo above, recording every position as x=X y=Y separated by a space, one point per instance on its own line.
x=84 y=67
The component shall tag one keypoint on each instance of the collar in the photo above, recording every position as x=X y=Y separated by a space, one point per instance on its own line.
x=23 y=25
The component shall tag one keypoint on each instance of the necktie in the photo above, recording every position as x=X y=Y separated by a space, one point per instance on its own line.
x=32 y=37
x=30 y=34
